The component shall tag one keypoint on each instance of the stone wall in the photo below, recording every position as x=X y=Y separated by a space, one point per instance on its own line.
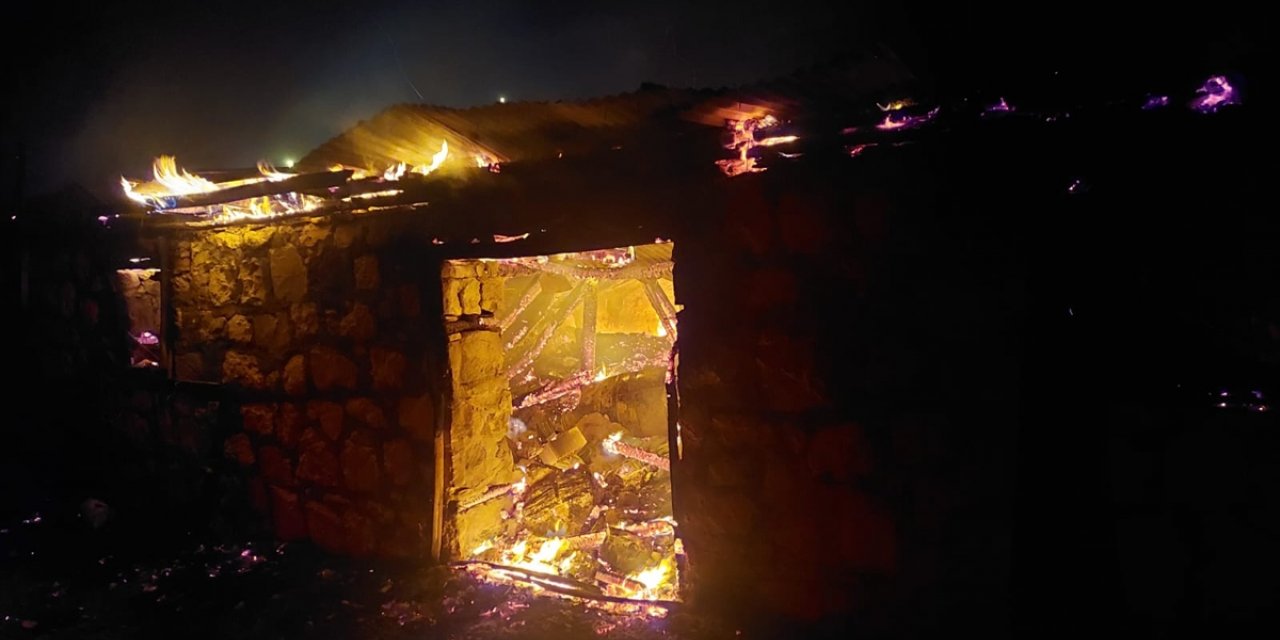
x=844 y=447
x=481 y=399
x=320 y=329
x=831 y=418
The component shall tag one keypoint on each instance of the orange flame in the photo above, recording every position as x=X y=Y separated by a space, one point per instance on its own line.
x=270 y=173
x=394 y=172
x=179 y=181
x=436 y=160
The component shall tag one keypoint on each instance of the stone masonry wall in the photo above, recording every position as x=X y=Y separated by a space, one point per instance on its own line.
x=321 y=330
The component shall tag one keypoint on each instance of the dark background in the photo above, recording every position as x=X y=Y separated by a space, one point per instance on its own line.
x=94 y=90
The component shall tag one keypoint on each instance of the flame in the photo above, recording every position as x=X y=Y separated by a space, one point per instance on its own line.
x=541 y=560
x=481 y=548
x=652 y=578
x=601 y=375
x=896 y=105
x=436 y=160
x=661 y=331
x=270 y=173
x=394 y=172
x=179 y=181
x=129 y=193
x=169 y=180
x=483 y=160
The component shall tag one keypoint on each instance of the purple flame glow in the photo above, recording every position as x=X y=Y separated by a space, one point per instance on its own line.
x=1155 y=102
x=1216 y=92
x=895 y=120
x=857 y=149
x=1000 y=106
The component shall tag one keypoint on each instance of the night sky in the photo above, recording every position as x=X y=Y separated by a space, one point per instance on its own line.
x=99 y=90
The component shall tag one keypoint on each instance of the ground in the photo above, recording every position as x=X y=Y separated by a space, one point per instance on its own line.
x=60 y=578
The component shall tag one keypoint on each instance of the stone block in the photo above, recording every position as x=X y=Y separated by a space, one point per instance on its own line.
x=317 y=463
x=387 y=368
x=367 y=412
x=360 y=533
x=190 y=366
x=290 y=423
x=288 y=274
x=221 y=285
x=313 y=234
x=359 y=324
x=366 y=273
x=458 y=269
x=239 y=329
x=330 y=370
x=306 y=323
x=258 y=418
x=253 y=284
x=242 y=369
x=287 y=519
x=275 y=467
x=295 y=375
x=329 y=415
x=271 y=332
x=398 y=460
x=238 y=448
x=410 y=302
x=325 y=528
x=480 y=357
x=345 y=235
x=359 y=457
x=491 y=292
x=469 y=297
x=452 y=297
x=479 y=524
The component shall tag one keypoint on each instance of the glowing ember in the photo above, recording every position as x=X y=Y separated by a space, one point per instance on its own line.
x=776 y=140
x=857 y=149
x=1215 y=93
x=743 y=140
x=373 y=194
x=1000 y=106
x=1155 y=102
x=894 y=120
x=436 y=160
x=497 y=237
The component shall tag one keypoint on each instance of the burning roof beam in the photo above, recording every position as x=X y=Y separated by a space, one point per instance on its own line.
x=300 y=183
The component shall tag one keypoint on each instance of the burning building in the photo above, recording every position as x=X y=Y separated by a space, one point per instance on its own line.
x=635 y=349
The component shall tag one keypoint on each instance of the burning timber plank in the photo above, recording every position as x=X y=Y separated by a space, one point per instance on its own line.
x=299 y=183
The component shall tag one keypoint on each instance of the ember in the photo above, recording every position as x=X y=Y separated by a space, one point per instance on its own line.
x=743 y=140
x=1215 y=93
